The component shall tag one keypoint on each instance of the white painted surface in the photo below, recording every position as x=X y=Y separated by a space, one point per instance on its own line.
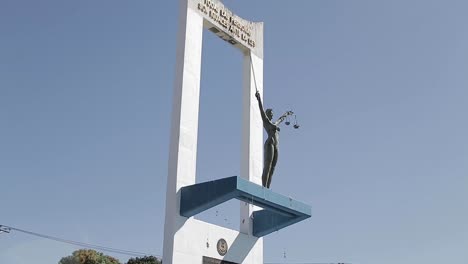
x=187 y=240
x=252 y=133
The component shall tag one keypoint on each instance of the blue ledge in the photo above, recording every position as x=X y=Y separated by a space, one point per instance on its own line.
x=278 y=211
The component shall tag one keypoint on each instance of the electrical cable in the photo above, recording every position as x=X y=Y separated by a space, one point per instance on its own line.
x=81 y=244
x=7 y=229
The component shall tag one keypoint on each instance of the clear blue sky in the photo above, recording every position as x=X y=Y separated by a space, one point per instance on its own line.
x=380 y=89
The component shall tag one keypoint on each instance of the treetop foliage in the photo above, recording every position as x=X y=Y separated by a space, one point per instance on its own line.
x=89 y=256
x=144 y=260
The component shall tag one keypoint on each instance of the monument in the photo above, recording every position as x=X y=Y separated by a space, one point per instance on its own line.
x=186 y=239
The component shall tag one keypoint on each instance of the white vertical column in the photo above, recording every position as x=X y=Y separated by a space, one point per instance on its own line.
x=252 y=132
x=184 y=127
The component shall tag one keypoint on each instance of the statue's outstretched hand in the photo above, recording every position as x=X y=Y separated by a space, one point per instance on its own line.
x=290 y=113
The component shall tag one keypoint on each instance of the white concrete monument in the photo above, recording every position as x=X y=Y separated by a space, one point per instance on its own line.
x=188 y=240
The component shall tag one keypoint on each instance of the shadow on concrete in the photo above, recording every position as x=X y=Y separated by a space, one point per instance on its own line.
x=239 y=249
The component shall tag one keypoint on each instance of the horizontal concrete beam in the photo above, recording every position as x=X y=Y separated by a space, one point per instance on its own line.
x=279 y=211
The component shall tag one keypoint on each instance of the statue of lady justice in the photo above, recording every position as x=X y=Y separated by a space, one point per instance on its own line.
x=270 y=148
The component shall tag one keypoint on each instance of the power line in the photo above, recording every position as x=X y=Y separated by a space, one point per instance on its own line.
x=4 y=229
x=7 y=229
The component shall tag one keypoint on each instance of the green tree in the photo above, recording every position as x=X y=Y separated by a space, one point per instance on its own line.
x=144 y=260
x=88 y=256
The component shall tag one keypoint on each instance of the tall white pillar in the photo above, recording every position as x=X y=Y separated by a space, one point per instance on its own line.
x=252 y=133
x=184 y=127
x=187 y=240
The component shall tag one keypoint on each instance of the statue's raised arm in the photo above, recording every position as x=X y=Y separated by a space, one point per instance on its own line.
x=262 y=111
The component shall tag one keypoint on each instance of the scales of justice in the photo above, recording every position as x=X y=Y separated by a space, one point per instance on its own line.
x=262 y=210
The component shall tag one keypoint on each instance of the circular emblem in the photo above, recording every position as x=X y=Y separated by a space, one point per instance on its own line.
x=222 y=247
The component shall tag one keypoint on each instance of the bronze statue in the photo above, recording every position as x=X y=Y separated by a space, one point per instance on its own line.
x=270 y=155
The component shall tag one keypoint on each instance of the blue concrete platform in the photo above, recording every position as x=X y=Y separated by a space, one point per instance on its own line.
x=278 y=211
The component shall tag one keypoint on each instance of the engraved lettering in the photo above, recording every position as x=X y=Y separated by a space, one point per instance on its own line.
x=234 y=26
